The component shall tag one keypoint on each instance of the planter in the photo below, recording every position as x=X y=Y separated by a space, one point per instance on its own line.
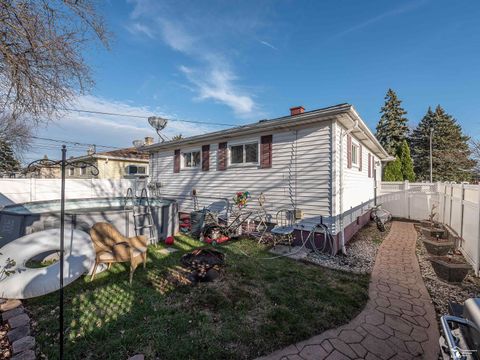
x=438 y=248
x=448 y=269
x=435 y=232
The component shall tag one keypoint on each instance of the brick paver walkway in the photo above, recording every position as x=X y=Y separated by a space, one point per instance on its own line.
x=399 y=319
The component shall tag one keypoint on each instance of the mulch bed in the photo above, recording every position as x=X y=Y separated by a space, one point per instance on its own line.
x=5 y=348
x=361 y=251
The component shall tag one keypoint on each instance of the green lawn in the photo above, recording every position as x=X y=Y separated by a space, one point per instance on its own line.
x=258 y=306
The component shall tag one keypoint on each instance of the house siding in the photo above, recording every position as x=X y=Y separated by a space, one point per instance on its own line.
x=358 y=187
x=309 y=173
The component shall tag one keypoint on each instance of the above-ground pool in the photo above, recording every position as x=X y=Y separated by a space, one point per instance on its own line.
x=22 y=219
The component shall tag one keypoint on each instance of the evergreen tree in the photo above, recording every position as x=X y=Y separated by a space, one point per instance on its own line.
x=393 y=171
x=8 y=162
x=392 y=128
x=406 y=161
x=450 y=151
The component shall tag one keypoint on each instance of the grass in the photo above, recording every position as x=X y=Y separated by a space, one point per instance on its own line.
x=257 y=307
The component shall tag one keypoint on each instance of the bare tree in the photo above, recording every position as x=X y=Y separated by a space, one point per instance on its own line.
x=475 y=148
x=15 y=132
x=41 y=63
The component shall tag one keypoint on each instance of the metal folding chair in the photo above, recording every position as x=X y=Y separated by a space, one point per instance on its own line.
x=283 y=231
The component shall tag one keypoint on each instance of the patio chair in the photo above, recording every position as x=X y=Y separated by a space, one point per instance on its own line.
x=112 y=247
x=282 y=232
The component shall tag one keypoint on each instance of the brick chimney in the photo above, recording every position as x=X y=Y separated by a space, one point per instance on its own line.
x=148 y=140
x=297 y=110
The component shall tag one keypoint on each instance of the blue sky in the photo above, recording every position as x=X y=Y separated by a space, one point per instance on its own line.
x=236 y=62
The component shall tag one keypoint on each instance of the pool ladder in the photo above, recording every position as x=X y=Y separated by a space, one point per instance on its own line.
x=142 y=219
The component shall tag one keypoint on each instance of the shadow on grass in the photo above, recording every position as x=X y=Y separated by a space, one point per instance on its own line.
x=256 y=307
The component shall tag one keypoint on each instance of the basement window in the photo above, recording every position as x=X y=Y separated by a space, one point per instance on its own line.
x=244 y=154
x=191 y=159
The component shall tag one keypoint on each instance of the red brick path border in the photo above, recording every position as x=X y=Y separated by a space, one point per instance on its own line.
x=398 y=321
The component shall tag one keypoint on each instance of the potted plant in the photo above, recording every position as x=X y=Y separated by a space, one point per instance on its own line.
x=435 y=236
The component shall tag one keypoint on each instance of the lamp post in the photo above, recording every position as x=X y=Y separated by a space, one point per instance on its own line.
x=158 y=123
x=47 y=163
x=431 y=157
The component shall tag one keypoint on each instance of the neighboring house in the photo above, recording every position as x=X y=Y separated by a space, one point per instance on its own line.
x=116 y=164
x=324 y=162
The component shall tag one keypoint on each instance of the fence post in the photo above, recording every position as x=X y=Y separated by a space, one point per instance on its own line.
x=477 y=265
x=444 y=195
x=451 y=205
x=406 y=187
x=462 y=209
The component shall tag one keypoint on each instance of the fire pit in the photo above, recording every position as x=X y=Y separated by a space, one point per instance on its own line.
x=205 y=264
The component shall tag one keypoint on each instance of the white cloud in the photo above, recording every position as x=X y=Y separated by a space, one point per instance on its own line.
x=266 y=43
x=217 y=85
x=213 y=77
x=137 y=28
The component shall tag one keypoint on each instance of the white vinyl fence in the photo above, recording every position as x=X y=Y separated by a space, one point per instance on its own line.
x=26 y=190
x=455 y=205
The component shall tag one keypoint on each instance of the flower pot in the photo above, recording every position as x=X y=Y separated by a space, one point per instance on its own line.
x=436 y=247
x=449 y=269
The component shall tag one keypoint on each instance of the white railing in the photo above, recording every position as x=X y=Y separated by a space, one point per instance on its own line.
x=455 y=205
x=26 y=190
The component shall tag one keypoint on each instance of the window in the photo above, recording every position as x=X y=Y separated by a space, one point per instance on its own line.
x=135 y=170
x=71 y=171
x=244 y=154
x=191 y=159
x=83 y=171
x=354 y=154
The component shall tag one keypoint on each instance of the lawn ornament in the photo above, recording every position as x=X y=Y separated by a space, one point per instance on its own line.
x=241 y=198
x=169 y=240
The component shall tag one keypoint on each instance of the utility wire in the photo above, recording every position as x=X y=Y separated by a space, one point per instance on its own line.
x=145 y=117
x=74 y=142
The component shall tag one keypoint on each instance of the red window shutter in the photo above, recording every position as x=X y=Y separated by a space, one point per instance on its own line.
x=349 y=151
x=266 y=151
x=176 y=161
x=360 y=160
x=369 y=165
x=222 y=156
x=205 y=157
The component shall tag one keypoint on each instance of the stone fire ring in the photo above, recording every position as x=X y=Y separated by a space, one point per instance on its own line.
x=28 y=282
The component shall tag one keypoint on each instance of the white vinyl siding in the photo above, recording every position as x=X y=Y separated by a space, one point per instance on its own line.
x=358 y=188
x=309 y=174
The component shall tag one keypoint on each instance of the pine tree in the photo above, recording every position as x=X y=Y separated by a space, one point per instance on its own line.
x=8 y=162
x=450 y=151
x=406 y=161
x=393 y=171
x=392 y=127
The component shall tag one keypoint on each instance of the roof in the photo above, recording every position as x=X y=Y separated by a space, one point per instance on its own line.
x=344 y=113
x=125 y=154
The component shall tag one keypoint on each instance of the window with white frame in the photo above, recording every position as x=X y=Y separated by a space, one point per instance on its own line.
x=135 y=170
x=191 y=159
x=244 y=153
x=71 y=171
x=83 y=170
x=354 y=154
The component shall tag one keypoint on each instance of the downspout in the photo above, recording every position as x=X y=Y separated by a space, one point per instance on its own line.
x=343 y=133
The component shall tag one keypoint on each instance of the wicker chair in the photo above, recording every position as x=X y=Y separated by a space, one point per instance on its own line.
x=112 y=247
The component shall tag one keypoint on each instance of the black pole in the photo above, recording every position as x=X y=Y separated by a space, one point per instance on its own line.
x=62 y=245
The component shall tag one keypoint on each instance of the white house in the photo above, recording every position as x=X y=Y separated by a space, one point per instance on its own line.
x=325 y=162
